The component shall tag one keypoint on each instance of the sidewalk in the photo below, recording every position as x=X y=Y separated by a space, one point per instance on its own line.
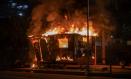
x=96 y=70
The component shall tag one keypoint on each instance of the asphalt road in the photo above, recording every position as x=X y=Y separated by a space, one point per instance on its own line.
x=32 y=75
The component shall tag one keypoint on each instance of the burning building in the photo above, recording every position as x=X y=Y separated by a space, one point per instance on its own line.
x=63 y=47
x=60 y=32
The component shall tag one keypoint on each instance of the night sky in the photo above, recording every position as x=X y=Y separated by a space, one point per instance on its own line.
x=14 y=21
x=121 y=10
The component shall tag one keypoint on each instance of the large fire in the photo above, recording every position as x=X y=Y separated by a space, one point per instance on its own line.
x=54 y=17
x=71 y=30
x=63 y=42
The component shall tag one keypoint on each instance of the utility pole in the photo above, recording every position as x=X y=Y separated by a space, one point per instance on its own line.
x=87 y=48
x=111 y=43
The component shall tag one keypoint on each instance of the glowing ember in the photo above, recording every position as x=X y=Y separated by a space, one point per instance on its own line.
x=63 y=43
x=95 y=34
x=58 y=58
x=84 y=39
x=30 y=36
x=83 y=54
x=93 y=57
x=33 y=65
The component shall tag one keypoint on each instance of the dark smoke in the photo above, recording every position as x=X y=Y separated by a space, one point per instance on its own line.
x=52 y=13
x=63 y=13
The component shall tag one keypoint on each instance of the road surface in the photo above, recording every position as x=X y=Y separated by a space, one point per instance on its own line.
x=32 y=75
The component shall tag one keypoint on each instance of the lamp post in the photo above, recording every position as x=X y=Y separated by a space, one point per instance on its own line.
x=111 y=37
x=88 y=59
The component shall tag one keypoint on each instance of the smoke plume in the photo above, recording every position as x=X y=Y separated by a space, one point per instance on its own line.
x=56 y=13
x=63 y=13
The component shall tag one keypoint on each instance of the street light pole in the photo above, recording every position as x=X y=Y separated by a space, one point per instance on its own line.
x=110 y=54
x=88 y=59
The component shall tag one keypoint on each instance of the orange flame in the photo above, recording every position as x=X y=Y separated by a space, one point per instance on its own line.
x=63 y=43
x=71 y=30
x=58 y=58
